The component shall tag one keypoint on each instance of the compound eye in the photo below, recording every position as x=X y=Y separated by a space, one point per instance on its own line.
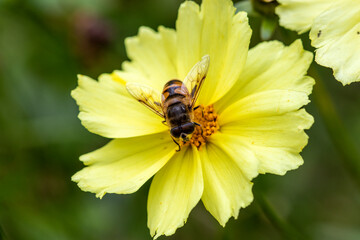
x=175 y=132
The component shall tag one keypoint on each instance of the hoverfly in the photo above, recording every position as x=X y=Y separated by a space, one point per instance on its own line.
x=176 y=103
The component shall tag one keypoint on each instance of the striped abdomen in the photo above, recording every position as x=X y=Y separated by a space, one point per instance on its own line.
x=174 y=91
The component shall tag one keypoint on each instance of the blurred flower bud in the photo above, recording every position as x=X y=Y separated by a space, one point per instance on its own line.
x=92 y=36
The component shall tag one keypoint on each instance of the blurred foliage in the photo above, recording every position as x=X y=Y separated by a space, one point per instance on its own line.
x=45 y=43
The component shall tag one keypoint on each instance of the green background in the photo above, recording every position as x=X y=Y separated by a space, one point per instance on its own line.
x=45 y=43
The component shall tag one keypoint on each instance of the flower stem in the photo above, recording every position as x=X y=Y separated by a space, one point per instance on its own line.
x=335 y=127
x=286 y=229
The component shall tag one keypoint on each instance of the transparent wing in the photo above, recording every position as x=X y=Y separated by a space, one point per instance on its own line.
x=147 y=96
x=195 y=78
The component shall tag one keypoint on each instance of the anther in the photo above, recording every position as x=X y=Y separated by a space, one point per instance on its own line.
x=207 y=119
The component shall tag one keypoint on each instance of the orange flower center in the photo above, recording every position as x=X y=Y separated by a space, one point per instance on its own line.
x=207 y=118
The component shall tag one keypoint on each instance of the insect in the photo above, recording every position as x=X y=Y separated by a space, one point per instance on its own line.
x=176 y=103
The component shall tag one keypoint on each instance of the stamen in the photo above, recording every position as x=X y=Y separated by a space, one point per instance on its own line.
x=207 y=118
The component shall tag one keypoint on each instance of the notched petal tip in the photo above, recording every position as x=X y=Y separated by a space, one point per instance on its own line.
x=335 y=34
x=308 y=120
x=78 y=179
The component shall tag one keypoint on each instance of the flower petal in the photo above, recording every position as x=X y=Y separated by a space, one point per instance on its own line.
x=152 y=56
x=188 y=30
x=124 y=165
x=226 y=188
x=298 y=15
x=276 y=140
x=272 y=66
x=240 y=151
x=225 y=37
x=263 y=104
x=336 y=34
x=174 y=192
x=107 y=109
x=217 y=31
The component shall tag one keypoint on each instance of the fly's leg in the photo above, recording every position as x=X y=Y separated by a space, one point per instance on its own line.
x=176 y=144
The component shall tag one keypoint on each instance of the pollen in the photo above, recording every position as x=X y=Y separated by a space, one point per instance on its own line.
x=207 y=118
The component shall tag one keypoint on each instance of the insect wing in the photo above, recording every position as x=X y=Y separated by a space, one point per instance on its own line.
x=147 y=96
x=195 y=78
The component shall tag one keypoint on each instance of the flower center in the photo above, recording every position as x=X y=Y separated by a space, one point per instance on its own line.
x=207 y=118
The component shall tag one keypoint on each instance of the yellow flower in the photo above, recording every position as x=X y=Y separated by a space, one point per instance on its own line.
x=335 y=32
x=254 y=97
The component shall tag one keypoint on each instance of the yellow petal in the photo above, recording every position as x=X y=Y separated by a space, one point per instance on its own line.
x=298 y=15
x=225 y=37
x=271 y=124
x=271 y=66
x=276 y=140
x=124 y=165
x=188 y=30
x=217 y=31
x=263 y=104
x=239 y=150
x=152 y=56
x=277 y=160
x=226 y=189
x=336 y=34
x=174 y=192
x=107 y=109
